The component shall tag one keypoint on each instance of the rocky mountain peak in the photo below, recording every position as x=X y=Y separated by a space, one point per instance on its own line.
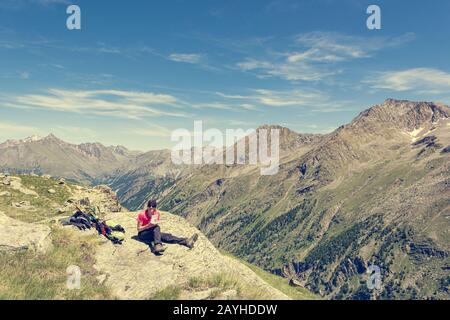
x=119 y=150
x=32 y=138
x=52 y=138
x=92 y=149
x=403 y=114
x=12 y=142
x=272 y=126
x=290 y=139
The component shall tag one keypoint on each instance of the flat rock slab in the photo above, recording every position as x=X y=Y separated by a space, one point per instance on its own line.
x=16 y=235
x=133 y=272
x=17 y=185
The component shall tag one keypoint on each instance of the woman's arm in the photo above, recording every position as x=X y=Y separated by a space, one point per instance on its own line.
x=141 y=228
x=159 y=215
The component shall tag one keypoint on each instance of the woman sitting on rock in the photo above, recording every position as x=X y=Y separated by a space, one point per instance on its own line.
x=150 y=232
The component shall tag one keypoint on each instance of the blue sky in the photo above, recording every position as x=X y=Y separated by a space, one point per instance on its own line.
x=140 y=69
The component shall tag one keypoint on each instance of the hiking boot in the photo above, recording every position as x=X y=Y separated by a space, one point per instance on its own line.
x=158 y=248
x=190 y=242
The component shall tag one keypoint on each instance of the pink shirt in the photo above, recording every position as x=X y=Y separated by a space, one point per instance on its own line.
x=146 y=216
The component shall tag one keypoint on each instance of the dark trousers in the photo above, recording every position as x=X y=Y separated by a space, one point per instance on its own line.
x=155 y=235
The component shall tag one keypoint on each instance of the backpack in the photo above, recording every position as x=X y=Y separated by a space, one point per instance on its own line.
x=115 y=233
x=111 y=230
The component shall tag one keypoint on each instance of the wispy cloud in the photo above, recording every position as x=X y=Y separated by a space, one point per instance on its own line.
x=114 y=103
x=19 y=4
x=73 y=131
x=314 y=100
x=132 y=52
x=234 y=107
x=288 y=70
x=421 y=80
x=288 y=98
x=282 y=6
x=39 y=45
x=186 y=57
x=23 y=75
x=314 y=55
x=334 y=46
x=153 y=131
x=49 y=2
x=11 y=128
x=235 y=45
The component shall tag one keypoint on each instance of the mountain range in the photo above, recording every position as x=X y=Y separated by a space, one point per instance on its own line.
x=375 y=191
x=50 y=155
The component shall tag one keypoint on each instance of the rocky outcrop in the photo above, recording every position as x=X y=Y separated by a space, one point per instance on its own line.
x=130 y=269
x=101 y=197
x=16 y=235
x=133 y=272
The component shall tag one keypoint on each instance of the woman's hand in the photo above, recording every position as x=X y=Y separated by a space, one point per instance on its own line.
x=141 y=228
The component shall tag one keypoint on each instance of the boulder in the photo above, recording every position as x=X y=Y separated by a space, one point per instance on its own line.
x=16 y=235
x=51 y=191
x=5 y=194
x=84 y=202
x=114 y=208
x=6 y=181
x=24 y=205
x=294 y=283
x=104 y=189
x=101 y=278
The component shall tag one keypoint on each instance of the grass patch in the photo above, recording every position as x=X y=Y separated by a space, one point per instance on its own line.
x=45 y=206
x=168 y=293
x=33 y=276
x=296 y=293
x=215 y=286
x=42 y=185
